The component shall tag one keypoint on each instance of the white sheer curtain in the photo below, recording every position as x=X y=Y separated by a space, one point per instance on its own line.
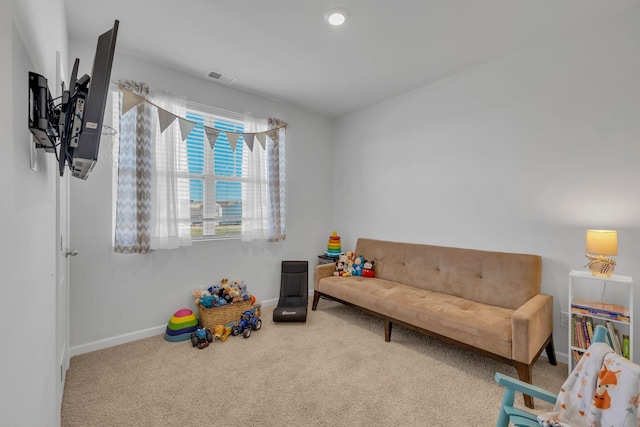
x=170 y=199
x=255 y=211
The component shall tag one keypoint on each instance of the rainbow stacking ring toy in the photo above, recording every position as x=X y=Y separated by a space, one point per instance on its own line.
x=181 y=325
x=334 y=248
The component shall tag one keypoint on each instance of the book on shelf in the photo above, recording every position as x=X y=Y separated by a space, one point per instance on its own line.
x=578 y=335
x=585 y=333
x=590 y=329
x=626 y=347
x=576 y=356
x=600 y=309
x=613 y=336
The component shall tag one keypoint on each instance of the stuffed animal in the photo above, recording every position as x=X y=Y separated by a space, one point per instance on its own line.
x=232 y=294
x=208 y=301
x=200 y=295
x=235 y=295
x=215 y=290
x=350 y=256
x=221 y=333
x=367 y=269
x=348 y=269
x=341 y=266
x=226 y=294
x=357 y=266
x=197 y=294
x=244 y=293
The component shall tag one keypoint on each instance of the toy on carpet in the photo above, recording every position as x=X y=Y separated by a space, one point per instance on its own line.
x=249 y=320
x=201 y=338
x=181 y=325
x=221 y=332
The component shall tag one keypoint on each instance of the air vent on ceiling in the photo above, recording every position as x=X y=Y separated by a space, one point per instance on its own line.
x=223 y=78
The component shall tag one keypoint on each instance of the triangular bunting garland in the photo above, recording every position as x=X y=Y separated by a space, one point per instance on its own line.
x=212 y=135
x=248 y=139
x=273 y=134
x=165 y=118
x=233 y=140
x=185 y=127
x=130 y=100
x=262 y=138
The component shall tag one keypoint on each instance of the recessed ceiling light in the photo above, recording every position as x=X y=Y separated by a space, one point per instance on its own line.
x=336 y=17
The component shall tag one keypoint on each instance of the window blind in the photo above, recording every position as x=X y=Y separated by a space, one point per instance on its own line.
x=215 y=177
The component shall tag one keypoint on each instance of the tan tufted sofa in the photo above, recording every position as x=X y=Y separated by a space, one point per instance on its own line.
x=488 y=302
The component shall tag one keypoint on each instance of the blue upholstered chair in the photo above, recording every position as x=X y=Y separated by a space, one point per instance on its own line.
x=518 y=416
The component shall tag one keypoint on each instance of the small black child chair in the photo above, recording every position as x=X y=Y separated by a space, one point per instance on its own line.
x=294 y=292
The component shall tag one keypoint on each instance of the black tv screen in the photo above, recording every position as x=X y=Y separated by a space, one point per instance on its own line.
x=81 y=150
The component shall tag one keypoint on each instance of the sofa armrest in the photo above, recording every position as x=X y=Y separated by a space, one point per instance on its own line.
x=531 y=326
x=322 y=270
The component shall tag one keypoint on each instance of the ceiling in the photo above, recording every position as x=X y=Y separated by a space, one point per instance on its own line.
x=284 y=50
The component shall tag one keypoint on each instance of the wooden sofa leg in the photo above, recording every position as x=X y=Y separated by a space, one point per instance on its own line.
x=388 y=326
x=316 y=298
x=551 y=352
x=524 y=374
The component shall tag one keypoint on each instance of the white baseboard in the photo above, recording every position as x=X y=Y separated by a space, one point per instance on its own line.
x=117 y=340
x=131 y=336
x=269 y=302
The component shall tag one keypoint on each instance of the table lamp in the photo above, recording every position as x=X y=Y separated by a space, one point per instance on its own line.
x=599 y=244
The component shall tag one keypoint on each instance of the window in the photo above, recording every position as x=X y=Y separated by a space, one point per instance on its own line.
x=228 y=188
x=216 y=177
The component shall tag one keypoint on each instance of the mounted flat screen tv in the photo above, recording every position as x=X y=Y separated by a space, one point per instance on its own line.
x=75 y=125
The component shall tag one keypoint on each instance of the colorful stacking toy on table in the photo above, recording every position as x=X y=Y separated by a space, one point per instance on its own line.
x=334 y=249
x=181 y=325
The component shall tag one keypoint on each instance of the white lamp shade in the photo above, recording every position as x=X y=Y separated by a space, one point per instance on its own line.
x=602 y=242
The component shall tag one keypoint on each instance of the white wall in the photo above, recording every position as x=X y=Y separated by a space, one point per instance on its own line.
x=30 y=34
x=520 y=154
x=115 y=295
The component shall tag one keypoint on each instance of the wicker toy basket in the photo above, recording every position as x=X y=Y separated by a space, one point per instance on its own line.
x=222 y=315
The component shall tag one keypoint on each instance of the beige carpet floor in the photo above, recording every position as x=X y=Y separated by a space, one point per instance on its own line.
x=334 y=370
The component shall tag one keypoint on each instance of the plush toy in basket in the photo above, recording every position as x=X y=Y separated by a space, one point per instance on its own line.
x=221 y=304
